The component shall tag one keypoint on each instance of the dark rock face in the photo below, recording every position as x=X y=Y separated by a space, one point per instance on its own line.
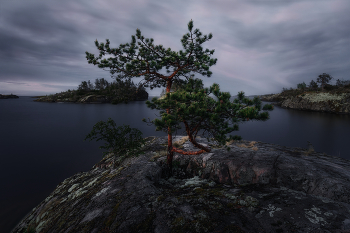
x=255 y=187
x=8 y=96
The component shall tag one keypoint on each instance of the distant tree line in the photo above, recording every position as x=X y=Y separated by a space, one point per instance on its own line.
x=323 y=80
x=117 y=91
x=115 y=88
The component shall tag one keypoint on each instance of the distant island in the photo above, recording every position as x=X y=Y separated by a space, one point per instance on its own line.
x=8 y=96
x=326 y=98
x=102 y=92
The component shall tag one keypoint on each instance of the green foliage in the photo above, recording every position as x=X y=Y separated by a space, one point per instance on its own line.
x=342 y=83
x=197 y=111
x=268 y=107
x=284 y=89
x=81 y=92
x=176 y=87
x=324 y=79
x=122 y=140
x=301 y=86
x=83 y=86
x=329 y=87
x=313 y=85
x=191 y=105
x=151 y=58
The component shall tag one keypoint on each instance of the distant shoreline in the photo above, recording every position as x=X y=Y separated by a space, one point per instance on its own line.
x=8 y=96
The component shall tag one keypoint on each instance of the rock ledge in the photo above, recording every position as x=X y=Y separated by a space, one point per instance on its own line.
x=255 y=187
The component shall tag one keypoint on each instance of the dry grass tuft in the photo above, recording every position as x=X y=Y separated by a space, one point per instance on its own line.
x=158 y=155
x=183 y=140
x=250 y=145
x=230 y=142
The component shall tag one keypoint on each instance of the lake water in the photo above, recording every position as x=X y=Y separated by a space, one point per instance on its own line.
x=41 y=144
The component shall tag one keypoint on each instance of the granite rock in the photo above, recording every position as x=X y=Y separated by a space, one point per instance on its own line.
x=321 y=102
x=254 y=187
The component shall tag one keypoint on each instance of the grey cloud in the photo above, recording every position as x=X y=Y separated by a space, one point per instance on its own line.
x=45 y=42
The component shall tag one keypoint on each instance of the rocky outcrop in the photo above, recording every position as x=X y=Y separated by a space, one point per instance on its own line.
x=254 y=187
x=8 y=96
x=94 y=99
x=322 y=102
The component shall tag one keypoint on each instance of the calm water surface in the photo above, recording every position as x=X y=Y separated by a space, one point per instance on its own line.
x=41 y=144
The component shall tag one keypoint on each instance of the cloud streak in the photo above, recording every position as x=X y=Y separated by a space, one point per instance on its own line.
x=261 y=46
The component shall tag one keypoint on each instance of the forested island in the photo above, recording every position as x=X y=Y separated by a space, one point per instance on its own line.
x=8 y=96
x=323 y=98
x=100 y=92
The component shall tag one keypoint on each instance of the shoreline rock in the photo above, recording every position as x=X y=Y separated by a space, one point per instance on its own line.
x=320 y=102
x=254 y=187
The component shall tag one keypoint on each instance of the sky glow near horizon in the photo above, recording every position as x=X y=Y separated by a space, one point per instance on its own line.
x=260 y=46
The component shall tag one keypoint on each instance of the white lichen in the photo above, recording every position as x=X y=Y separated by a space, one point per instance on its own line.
x=319 y=97
x=195 y=181
x=233 y=197
x=272 y=209
x=40 y=226
x=312 y=216
x=72 y=188
x=76 y=194
x=91 y=183
x=101 y=192
x=251 y=201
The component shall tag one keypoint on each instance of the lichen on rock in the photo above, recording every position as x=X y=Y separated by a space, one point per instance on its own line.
x=331 y=102
x=254 y=187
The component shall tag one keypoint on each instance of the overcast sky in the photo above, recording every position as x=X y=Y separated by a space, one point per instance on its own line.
x=261 y=46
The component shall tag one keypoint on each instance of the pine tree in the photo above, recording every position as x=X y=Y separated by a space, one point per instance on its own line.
x=342 y=83
x=323 y=79
x=90 y=86
x=103 y=83
x=180 y=106
x=97 y=84
x=174 y=87
x=313 y=85
x=301 y=86
x=83 y=86
x=193 y=107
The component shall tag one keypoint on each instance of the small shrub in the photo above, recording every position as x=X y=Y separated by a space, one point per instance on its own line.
x=284 y=89
x=301 y=86
x=268 y=107
x=329 y=87
x=119 y=142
